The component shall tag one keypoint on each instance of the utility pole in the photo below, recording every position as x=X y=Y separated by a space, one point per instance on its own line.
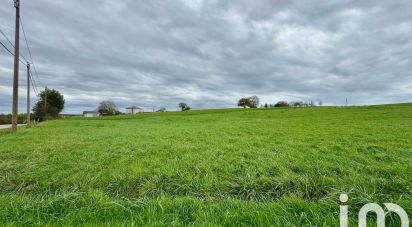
x=28 y=95
x=16 y=68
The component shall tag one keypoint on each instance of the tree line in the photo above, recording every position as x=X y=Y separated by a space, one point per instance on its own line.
x=253 y=102
x=310 y=103
x=5 y=119
x=109 y=108
x=51 y=104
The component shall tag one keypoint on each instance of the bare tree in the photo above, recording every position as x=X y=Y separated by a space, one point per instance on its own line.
x=107 y=108
x=305 y=104
x=312 y=103
x=253 y=101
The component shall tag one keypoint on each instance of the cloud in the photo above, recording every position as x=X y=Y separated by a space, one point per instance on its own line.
x=211 y=53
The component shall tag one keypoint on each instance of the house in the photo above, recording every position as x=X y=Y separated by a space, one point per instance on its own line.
x=91 y=114
x=134 y=110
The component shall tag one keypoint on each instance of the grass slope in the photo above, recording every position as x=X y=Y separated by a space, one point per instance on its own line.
x=279 y=167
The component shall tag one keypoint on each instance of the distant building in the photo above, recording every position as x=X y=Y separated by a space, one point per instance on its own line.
x=91 y=114
x=69 y=115
x=134 y=110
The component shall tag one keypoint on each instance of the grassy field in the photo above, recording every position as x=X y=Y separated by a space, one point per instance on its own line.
x=260 y=167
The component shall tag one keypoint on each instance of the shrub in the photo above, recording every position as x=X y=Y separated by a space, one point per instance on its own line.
x=282 y=104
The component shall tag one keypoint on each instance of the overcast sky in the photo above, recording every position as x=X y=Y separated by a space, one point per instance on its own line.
x=155 y=53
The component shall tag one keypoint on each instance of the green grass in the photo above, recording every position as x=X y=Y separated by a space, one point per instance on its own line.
x=260 y=167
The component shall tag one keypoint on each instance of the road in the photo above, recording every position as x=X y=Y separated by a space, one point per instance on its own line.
x=9 y=126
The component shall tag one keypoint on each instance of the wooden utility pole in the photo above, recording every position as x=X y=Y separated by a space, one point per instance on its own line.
x=28 y=95
x=16 y=68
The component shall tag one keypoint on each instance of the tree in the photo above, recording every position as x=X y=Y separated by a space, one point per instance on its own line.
x=253 y=101
x=107 y=108
x=184 y=107
x=296 y=104
x=6 y=119
x=320 y=103
x=161 y=109
x=243 y=102
x=305 y=104
x=49 y=106
x=282 y=104
x=312 y=103
x=266 y=105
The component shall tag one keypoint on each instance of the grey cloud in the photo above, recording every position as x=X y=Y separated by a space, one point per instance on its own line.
x=210 y=53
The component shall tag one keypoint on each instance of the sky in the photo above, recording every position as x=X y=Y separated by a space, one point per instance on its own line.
x=210 y=54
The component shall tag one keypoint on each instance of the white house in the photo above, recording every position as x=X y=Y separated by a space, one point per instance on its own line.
x=91 y=114
x=134 y=110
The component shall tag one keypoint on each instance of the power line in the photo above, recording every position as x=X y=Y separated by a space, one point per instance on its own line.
x=1 y=31
x=28 y=48
x=33 y=82
x=34 y=86
x=11 y=52
x=6 y=48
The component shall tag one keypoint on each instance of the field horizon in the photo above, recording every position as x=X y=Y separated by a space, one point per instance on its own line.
x=231 y=167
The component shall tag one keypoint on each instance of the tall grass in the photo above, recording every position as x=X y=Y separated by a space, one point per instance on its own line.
x=281 y=167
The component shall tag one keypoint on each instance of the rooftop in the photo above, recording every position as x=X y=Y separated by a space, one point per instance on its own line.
x=134 y=107
x=90 y=112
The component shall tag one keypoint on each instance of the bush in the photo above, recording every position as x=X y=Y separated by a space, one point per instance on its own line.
x=282 y=104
